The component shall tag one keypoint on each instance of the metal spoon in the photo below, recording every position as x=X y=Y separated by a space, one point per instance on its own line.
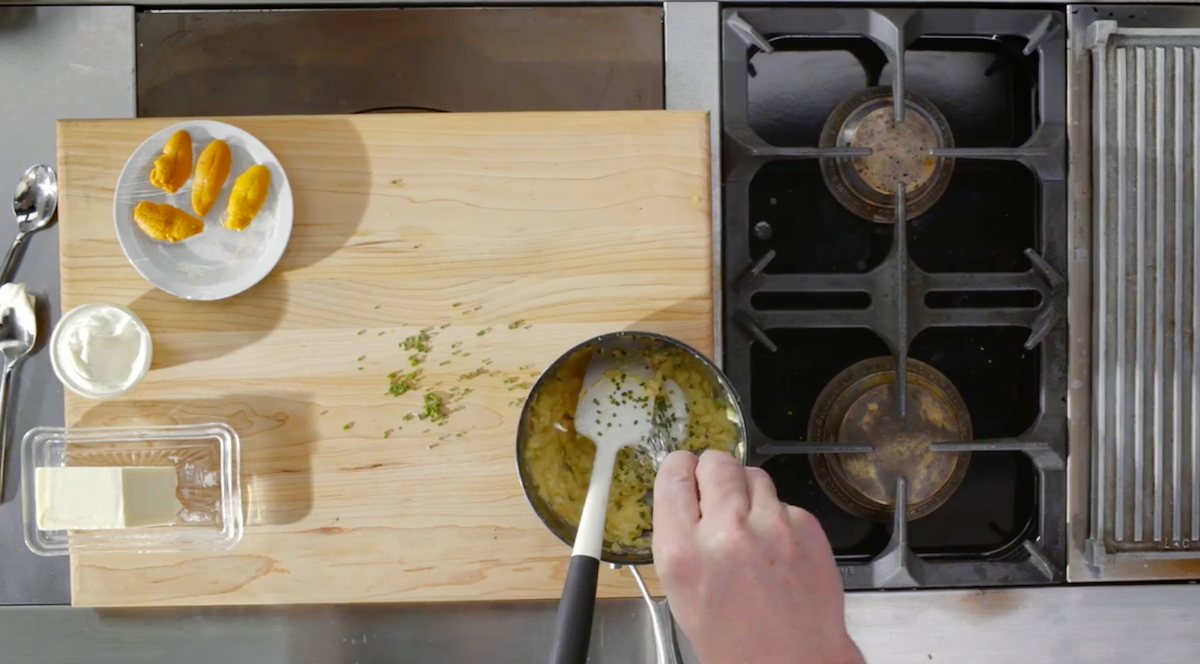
x=18 y=334
x=34 y=204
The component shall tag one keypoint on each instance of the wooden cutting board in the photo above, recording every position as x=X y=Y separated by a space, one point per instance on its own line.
x=574 y=223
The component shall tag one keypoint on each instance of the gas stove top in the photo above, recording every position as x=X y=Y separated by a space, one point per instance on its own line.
x=894 y=245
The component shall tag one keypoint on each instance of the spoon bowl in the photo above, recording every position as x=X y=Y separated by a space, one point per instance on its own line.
x=36 y=198
x=34 y=204
x=18 y=334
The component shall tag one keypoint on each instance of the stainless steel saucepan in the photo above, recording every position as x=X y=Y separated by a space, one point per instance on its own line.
x=664 y=632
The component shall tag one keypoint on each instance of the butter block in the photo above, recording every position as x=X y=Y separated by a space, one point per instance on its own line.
x=105 y=498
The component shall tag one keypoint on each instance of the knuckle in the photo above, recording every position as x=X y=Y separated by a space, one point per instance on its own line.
x=802 y=519
x=779 y=524
x=678 y=467
x=711 y=457
x=758 y=474
x=728 y=543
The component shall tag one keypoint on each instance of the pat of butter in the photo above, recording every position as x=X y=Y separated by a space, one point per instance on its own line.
x=105 y=498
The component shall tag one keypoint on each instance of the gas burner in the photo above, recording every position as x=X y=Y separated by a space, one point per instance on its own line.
x=917 y=481
x=859 y=407
x=900 y=152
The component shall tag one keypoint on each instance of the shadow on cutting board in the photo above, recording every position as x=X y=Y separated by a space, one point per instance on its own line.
x=330 y=176
x=689 y=321
x=277 y=433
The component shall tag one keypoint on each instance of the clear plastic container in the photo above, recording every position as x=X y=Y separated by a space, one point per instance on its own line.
x=206 y=458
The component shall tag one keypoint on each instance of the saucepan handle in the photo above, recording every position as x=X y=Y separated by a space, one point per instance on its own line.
x=666 y=643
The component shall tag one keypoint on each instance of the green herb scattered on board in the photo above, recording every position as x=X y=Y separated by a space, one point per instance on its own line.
x=432 y=410
x=474 y=374
x=418 y=342
x=401 y=383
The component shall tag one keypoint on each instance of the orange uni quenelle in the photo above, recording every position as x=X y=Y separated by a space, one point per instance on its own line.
x=174 y=167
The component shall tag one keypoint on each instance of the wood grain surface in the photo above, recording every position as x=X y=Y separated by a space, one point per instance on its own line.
x=575 y=223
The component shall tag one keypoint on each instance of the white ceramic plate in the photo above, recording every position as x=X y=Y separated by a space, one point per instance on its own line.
x=216 y=263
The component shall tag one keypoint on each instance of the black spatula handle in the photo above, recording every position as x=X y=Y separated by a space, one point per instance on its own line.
x=573 y=624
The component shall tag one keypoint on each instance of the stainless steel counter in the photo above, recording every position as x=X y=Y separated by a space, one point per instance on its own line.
x=79 y=62
x=1097 y=625
x=55 y=62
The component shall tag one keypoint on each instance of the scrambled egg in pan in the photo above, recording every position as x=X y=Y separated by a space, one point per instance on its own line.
x=560 y=462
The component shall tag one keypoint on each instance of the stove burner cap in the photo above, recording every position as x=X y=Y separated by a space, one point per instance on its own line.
x=859 y=406
x=866 y=186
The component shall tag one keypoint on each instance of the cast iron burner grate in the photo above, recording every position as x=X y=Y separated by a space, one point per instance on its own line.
x=982 y=266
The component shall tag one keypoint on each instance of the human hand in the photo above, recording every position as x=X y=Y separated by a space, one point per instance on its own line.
x=750 y=580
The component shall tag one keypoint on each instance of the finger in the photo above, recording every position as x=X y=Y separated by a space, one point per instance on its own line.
x=810 y=535
x=676 y=501
x=762 y=490
x=722 y=484
x=809 y=531
x=802 y=519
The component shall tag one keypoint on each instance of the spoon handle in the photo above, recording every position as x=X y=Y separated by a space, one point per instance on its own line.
x=5 y=379
x=11 y=257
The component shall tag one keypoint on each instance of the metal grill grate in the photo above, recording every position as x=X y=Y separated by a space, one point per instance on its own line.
x=1146 y=395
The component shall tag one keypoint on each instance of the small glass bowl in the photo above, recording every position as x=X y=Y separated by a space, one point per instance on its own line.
x=206 y=458
x=65 y=324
